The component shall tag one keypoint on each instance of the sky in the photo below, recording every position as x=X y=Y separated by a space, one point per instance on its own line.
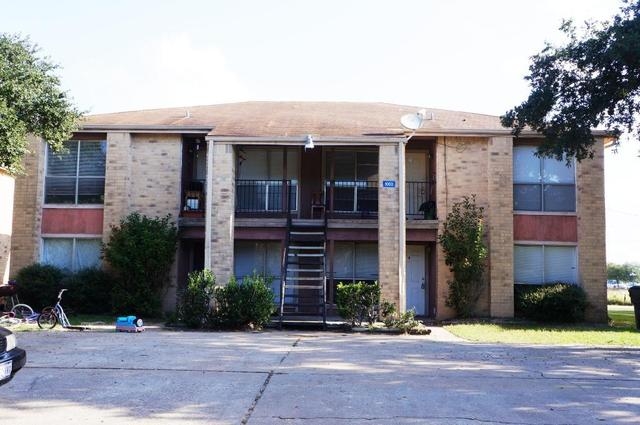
x=452 y=54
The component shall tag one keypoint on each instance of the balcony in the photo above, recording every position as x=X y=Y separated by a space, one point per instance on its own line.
x=193 y=198
x=356 y=198
x=340 y=199
x=420 y=202
x=266 y=197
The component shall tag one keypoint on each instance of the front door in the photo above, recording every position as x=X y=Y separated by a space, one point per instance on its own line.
x=416 y=279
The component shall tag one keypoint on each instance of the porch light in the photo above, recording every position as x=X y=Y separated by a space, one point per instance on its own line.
x=309 y=144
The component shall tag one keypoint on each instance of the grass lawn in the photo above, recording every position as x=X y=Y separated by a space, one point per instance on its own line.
x=621 y=332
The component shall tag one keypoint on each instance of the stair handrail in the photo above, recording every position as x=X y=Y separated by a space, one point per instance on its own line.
x=285 y=256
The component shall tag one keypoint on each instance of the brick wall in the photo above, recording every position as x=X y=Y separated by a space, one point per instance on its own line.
x=117 y=181
x=388 y=210
x=592 y=267
x=461 y=169
x=222 y=211
x=499 y=226
x=27 y=207
x=7 y=186
x=143 y=175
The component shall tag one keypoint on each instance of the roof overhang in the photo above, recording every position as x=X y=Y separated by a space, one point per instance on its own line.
x=301 y=140
x=112 y=128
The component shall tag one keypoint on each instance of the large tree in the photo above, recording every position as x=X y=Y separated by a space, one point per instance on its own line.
x=591 y=81
x=31 y=101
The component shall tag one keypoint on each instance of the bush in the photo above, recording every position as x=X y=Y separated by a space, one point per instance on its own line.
x=560 y=302
x=465 y=254
x=195 y=303
x=358 y=301
x=141 y=251
x=249 y=304
x=39 y=284
x=89 y=291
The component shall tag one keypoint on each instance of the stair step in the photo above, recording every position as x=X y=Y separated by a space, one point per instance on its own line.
x=295 y=254
x=314 y=233
x=305 y=270
x=315 y=287
x=292 y=278
x=305 y=247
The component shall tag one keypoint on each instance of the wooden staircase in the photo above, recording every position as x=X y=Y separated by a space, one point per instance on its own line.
x=302 y=290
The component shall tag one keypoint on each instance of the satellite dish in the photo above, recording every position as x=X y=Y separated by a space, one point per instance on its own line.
x=413 y=121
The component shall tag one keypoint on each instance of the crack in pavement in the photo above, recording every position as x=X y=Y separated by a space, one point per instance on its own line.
x=158 y=369
x=265 y=384
x=381 y=418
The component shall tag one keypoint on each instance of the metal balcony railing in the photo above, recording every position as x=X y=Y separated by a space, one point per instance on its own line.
x=266 y=196
x=193 y=196
x=419 y=202
x=357 y=197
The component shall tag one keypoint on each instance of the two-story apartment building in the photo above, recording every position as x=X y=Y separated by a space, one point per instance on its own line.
x=316 y=193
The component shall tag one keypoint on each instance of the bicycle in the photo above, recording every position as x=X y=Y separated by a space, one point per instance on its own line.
x=18 y=310
x=51 y=316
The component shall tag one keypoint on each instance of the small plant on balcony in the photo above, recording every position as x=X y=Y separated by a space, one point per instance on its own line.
x=465 y=254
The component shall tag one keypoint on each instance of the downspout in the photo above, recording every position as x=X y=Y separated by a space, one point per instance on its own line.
x=208 y=204
x=402 y=226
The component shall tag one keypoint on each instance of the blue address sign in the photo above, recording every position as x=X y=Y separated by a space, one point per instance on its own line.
x=389 y=183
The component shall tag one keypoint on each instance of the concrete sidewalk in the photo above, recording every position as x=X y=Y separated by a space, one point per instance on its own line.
x=169 y=377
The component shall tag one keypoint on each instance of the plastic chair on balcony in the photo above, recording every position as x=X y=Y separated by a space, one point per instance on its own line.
x=317 y=205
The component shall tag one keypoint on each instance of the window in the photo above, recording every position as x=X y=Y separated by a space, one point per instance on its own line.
x=353 y=180
x=538 y=264
x=76 y=175
x=71 y=254
x=260 y=173
x=542 y=184
x=260 y=256
x=353 y=262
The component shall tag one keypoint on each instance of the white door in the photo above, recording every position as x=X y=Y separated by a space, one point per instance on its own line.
x=416 y=177
x=416 y=279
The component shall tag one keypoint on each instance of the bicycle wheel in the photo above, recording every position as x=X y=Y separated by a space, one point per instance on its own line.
x=47 y=319
x=22 y=311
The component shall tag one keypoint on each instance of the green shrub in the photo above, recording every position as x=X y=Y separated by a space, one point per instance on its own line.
x=465 y=254
x=241 y=305
x=358 y=301
x=559 y=302
x=195 y=302
x=405 y=322
x=141 y=251
x=89 y=291
x=39 y=284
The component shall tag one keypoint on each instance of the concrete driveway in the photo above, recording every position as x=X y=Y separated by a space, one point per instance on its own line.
x=168 y=377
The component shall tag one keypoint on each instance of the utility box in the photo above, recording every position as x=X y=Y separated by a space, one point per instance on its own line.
x=634 y=294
